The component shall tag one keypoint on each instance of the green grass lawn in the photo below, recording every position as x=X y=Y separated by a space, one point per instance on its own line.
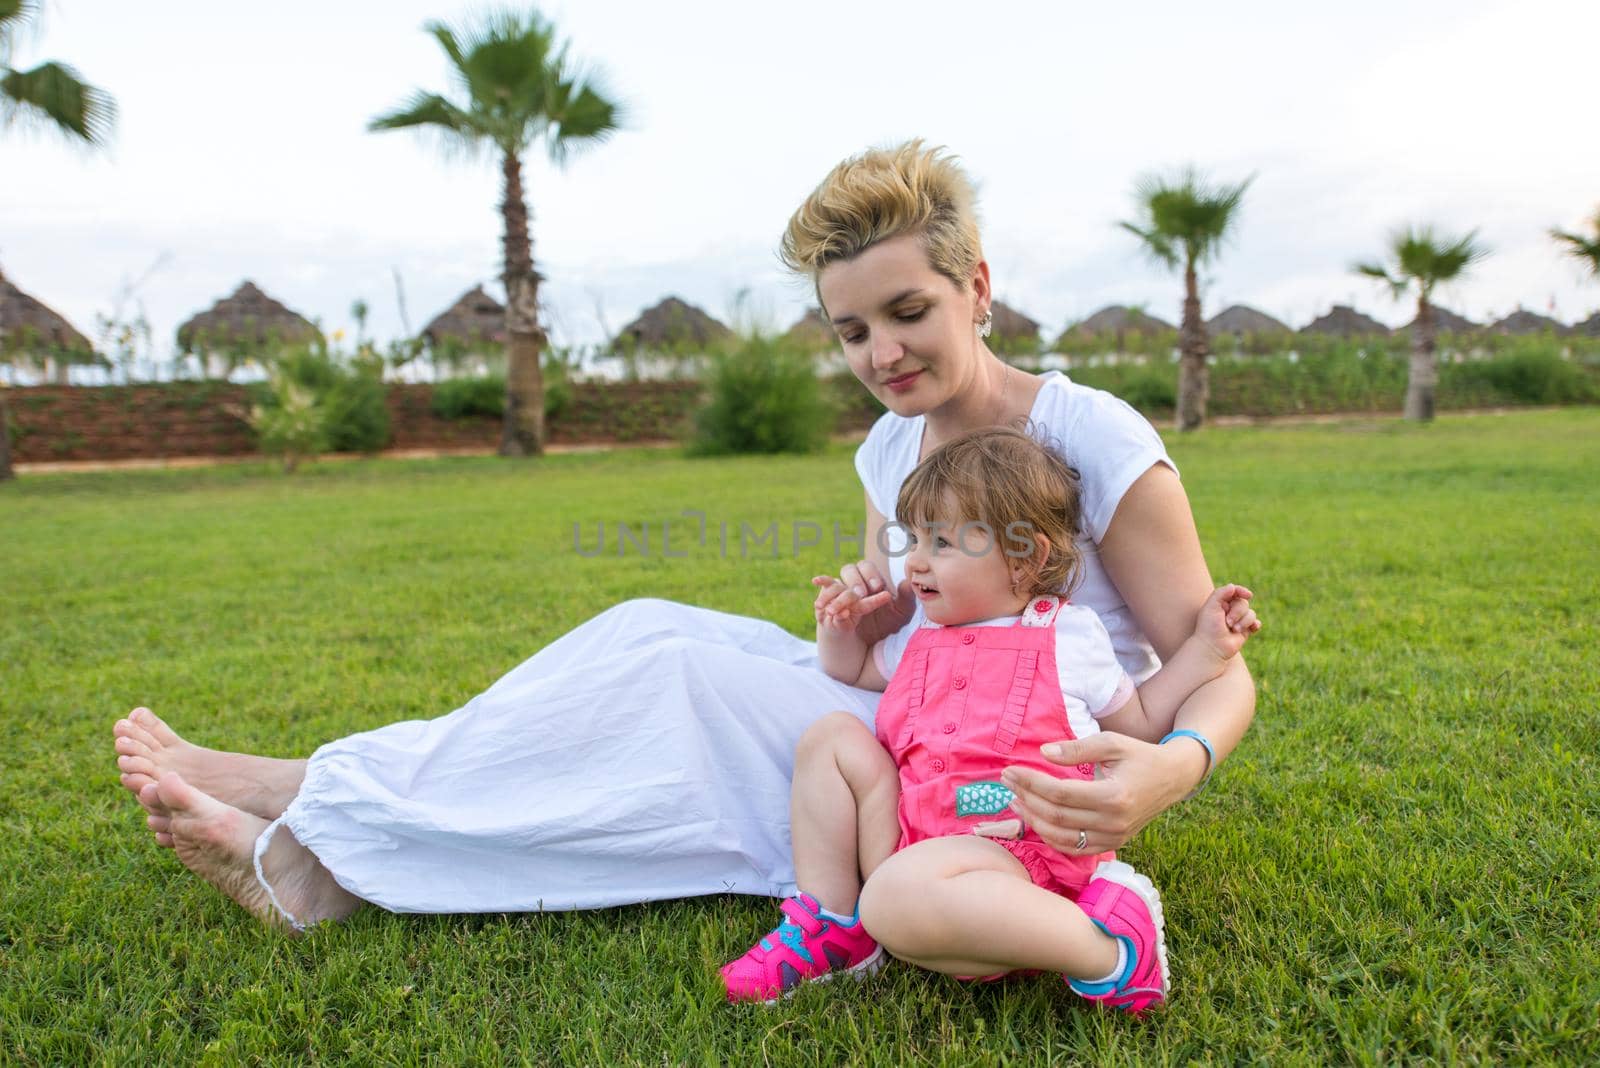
x=1399 y=863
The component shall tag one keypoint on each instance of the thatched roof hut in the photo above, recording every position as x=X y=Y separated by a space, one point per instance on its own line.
x=1523 y=321
x=1446 y=320
x=813 y=331
x=1117 y=319
x=28 y=324
x=246 y=316
x=672 y=323
x=1345 y=321
x=474 y=318
x=1012 y=326
x=1242 y=320
x=1590 y=327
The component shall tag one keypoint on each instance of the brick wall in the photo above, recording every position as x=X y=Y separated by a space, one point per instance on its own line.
x=205 y=419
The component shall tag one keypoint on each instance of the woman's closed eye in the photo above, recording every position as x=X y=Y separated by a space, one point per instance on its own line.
x=905 y=317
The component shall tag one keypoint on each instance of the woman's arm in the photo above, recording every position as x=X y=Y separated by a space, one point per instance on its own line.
x=1151 y=551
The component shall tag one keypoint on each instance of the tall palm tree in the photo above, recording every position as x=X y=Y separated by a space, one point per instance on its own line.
x=51 y=95
x=1426 y=259
x=518 y=89
x=1583 y=247
x=1183 y=221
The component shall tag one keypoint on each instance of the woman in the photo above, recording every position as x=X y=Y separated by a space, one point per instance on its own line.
x=647 y=754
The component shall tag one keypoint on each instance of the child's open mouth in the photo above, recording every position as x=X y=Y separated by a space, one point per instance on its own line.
x=924 y=592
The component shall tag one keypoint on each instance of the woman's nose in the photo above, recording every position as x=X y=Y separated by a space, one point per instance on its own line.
x=886 y=351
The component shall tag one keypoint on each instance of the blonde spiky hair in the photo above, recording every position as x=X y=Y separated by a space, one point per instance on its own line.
x=884 y=193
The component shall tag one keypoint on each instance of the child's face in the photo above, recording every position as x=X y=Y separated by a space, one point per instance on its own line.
x=961 y=574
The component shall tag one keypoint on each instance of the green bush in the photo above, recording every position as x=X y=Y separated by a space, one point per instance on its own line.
x=764 y=398
x=288 y=420
x=558 y=366
x=1527 y=374
x=462 y=398
x=358 y=416
x=351 y=395
x=1150 y=390
x=1149 y=387
x=485 y=395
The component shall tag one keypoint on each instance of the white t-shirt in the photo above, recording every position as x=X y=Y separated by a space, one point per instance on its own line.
x=1093 y=683
x=1108 y=442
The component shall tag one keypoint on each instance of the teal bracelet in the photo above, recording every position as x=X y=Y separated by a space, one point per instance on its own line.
x=1211 y=756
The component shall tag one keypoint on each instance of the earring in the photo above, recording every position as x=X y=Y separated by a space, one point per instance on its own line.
x=986 y=324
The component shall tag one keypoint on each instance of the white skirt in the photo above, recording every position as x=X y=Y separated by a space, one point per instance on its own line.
x=645 y=755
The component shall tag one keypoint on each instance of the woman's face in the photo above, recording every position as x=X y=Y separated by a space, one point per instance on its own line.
x=909 y=333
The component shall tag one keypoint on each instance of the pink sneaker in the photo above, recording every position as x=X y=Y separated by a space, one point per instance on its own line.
x=1125 y=905
x=806 y=945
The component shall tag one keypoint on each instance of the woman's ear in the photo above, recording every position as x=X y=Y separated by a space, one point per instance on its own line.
x=983 y=295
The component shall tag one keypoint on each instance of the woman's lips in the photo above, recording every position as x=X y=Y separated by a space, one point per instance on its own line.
x=904 y=382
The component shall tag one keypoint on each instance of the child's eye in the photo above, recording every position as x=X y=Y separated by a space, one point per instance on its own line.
x=942 y=542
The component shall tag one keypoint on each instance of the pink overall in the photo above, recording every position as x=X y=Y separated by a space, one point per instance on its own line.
x=963 y=704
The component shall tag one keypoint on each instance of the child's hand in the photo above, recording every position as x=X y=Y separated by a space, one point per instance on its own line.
x=838 y=607
x=1226 y=621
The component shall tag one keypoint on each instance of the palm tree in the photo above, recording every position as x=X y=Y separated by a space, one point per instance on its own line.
x=1183 y=221
x=1426 y=259
x=519 y=89
x=53 y=96
x=1585 y=248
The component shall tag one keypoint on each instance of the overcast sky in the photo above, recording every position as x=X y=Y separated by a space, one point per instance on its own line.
x=241 y=151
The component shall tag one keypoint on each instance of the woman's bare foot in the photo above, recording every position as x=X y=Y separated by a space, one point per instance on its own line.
x=147 y=749
x=217 y=842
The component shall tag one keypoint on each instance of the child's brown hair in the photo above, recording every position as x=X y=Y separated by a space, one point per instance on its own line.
x=1007 y=480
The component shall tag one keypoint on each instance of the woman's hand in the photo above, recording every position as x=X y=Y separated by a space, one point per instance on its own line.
x=860 y=600
x=1136 y=782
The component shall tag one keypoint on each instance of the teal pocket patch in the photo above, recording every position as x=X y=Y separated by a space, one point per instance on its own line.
x=983 y=798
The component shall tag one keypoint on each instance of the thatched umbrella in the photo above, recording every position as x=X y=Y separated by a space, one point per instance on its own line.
x=673 y=323
x=1522 y=321
x=1445 y=321
x=1345 y=321
x=1120 y=320
x=28 y=325
x=1241 y=320
x=813 y=332
x=474 y=319
x=247 y=317
x=1590 y=327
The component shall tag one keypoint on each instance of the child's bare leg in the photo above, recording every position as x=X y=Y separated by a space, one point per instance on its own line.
x=842 y=809
x=965 y=906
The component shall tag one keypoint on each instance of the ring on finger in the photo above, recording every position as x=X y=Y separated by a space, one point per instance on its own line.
x=1083 y=841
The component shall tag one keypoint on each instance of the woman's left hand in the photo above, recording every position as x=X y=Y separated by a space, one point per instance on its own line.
x=1137 y=781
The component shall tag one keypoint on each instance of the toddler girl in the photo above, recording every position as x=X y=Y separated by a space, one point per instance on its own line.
x=917 y=845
